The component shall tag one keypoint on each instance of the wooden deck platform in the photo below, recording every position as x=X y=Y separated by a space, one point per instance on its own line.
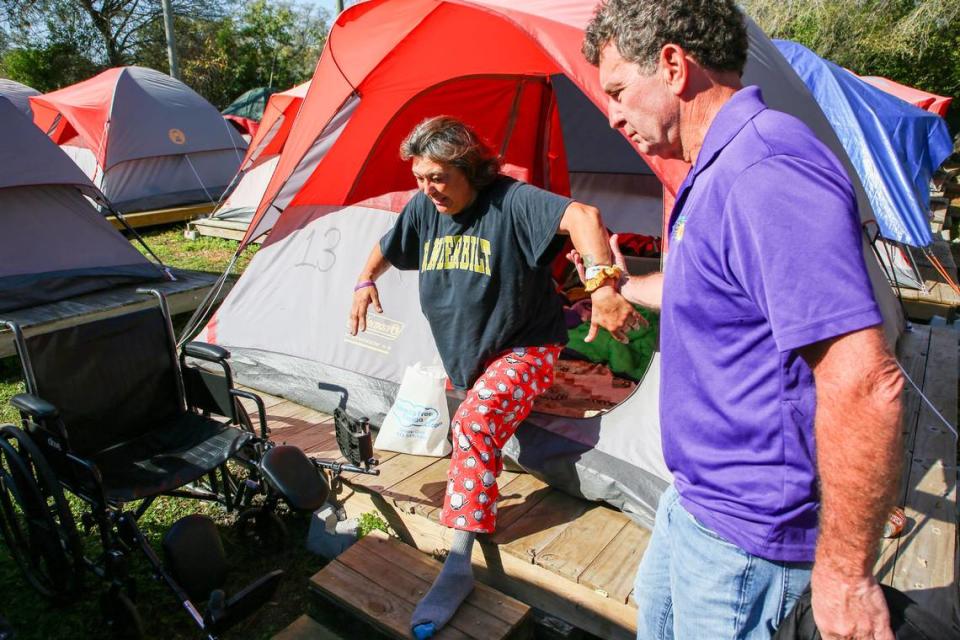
x=923 y=561
x=576 y=560
x=183 y=295
x=163 y=216
x=939 y=298
x=231 y=226
x=381 y=580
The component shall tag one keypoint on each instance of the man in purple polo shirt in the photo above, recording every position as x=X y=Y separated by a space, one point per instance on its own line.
x=780 y=401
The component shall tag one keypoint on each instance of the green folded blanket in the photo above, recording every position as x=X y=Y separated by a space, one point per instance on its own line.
x=627 y=360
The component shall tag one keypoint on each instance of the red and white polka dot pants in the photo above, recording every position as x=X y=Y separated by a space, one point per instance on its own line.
x=498 y=402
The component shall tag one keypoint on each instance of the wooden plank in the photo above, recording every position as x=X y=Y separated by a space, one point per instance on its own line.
x=612 y=573
x=289 y=414
x=579 y=544
x=912 y=353
x=309 y=438
x=497 y=604
x=527 y=537
x=423 y=490
x=525 y=581
x=392 y=471
x=408 y=575
x=926 y=565
x=371 y=601
x=163 y=216
x=306 y=628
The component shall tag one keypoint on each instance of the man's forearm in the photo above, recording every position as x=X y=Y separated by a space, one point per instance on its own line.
x=645 y=290
x=858 y=458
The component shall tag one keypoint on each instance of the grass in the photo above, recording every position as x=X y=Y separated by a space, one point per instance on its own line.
x=202 y=254
x=34 y=618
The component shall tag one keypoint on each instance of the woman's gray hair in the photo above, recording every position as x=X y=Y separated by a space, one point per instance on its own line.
x=714 y=32
x=448 y=140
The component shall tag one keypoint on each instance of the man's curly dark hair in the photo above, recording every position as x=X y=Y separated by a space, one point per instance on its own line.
x=713 y=32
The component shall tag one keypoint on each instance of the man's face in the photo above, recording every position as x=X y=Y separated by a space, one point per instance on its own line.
x=641 y=104
x=446 y=185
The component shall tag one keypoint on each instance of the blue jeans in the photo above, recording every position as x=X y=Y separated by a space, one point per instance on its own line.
x=694 y=585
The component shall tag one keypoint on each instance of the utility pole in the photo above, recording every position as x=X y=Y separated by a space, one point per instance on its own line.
x=339 y=7
x=171 y=39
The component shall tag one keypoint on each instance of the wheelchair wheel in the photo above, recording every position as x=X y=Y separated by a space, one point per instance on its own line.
x=121 y=615
x=35 y=519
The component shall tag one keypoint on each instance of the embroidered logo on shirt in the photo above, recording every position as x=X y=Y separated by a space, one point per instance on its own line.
x=467 y=253
x=676 y=234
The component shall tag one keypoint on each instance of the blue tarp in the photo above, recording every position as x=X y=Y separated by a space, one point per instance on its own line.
x=894 y=146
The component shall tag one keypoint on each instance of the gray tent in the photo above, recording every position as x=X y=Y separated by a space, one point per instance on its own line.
x=145 y=139
x=53 y=242
x=18 y=94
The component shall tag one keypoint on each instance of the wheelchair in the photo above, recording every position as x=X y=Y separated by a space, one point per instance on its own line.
x=114 y=416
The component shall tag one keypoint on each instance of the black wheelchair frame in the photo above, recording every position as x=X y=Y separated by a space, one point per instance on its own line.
x=45 y=455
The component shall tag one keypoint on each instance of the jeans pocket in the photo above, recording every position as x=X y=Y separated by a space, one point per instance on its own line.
x=710 y=533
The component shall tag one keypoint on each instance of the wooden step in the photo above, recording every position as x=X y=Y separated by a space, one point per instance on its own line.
x=306 y=628
x=380 y=580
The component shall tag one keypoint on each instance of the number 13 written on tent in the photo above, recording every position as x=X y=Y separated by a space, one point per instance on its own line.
x=326 y=258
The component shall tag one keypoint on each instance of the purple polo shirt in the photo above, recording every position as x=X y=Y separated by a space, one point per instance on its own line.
x=765 y=257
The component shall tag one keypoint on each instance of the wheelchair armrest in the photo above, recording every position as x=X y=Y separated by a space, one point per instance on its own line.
x=204 y=351
x=35 y=407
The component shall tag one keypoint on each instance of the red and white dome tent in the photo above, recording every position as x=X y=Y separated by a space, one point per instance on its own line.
x=146 y=140
x=262 y=156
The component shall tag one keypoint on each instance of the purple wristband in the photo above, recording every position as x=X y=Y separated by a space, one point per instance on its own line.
x=364 y=285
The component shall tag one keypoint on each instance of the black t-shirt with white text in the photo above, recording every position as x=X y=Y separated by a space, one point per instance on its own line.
x=485 y=283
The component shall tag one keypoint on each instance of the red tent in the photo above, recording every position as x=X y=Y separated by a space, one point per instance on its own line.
x=361 y=104
x=146 y=139
x=929 y=101
x=274 y=127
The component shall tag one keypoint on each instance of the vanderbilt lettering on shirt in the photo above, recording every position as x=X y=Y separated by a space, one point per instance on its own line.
x=466 y=253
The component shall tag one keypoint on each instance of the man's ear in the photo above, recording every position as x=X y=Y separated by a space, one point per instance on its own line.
x=674 y=68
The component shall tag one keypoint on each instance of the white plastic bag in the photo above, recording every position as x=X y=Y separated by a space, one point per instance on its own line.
x=418 y=421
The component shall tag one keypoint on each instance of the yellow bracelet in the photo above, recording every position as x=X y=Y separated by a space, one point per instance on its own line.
x=606 y=273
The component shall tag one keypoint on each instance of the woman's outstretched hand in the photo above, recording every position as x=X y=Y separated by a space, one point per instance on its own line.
x=362 y=299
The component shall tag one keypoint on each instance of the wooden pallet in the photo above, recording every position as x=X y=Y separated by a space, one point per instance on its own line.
x=183 y=295
x=381 y=580
x=163 y=216
x=231 y=225
x=576 y=560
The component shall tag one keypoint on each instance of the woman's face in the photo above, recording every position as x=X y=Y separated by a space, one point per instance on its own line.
x=446 y=185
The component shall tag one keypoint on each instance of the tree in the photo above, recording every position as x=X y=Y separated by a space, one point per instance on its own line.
x=108 y=32
x=916 y=42
x=47 y=68
x=264 y=44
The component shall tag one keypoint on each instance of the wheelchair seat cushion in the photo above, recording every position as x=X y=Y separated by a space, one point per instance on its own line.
x=167 y=458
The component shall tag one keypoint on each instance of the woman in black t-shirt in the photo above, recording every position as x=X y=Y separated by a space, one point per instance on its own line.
x=483 y=244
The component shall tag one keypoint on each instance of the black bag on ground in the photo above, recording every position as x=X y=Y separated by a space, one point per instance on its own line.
x=908 y=620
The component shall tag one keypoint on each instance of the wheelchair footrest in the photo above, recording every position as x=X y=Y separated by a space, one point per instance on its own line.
x=222 y=614
x=288 y=470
